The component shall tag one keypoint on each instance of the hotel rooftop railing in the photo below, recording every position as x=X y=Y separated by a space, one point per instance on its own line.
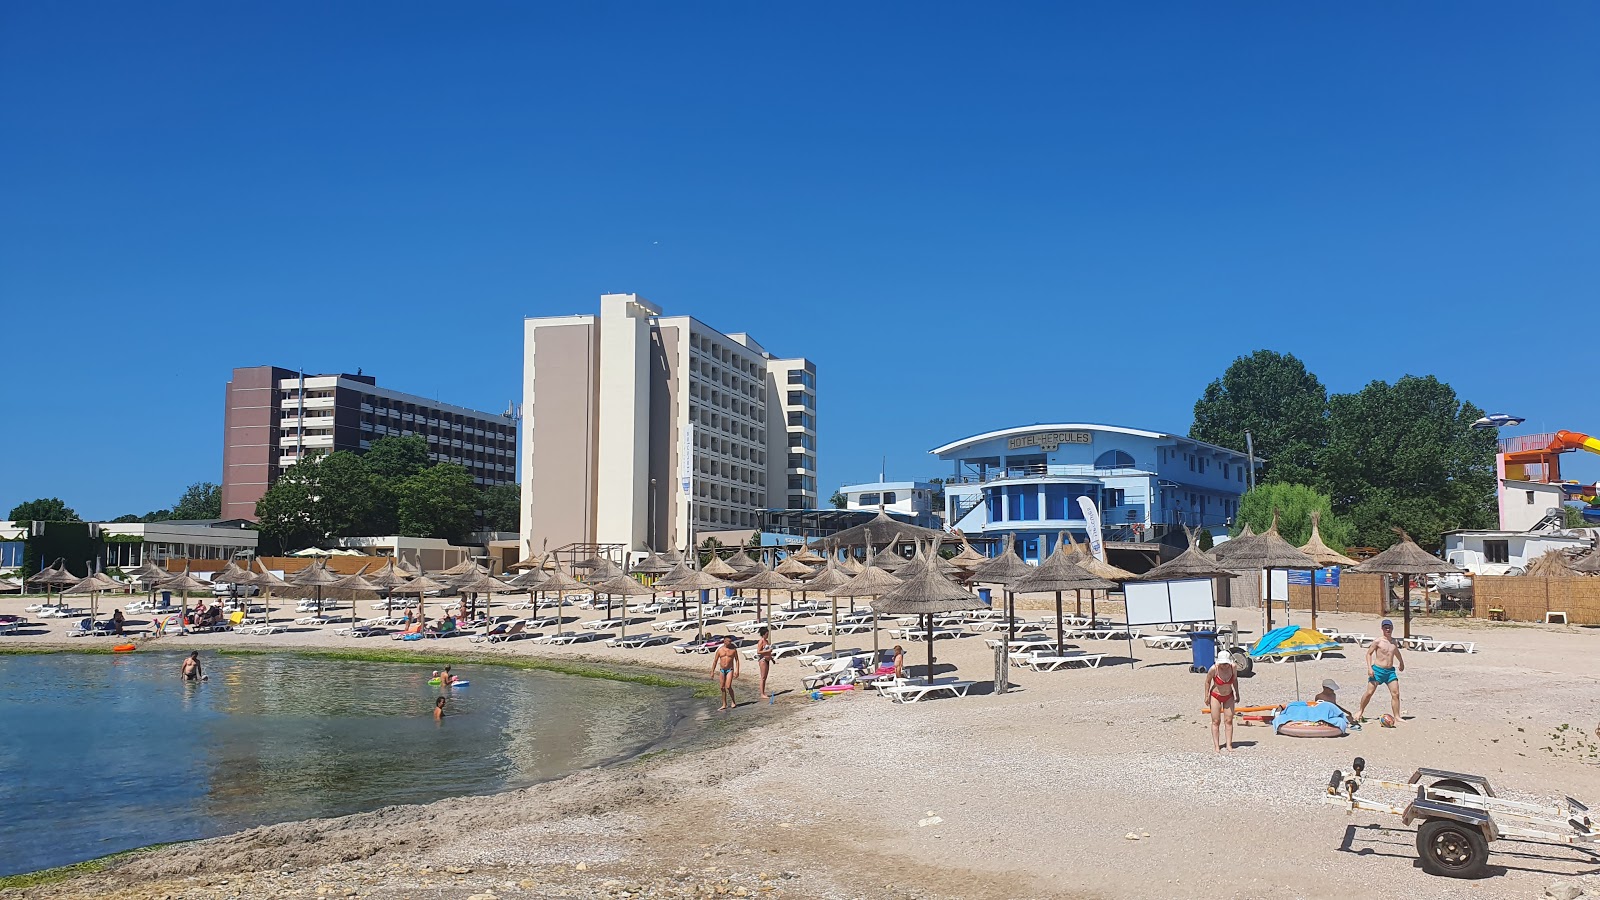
x=1042 y=472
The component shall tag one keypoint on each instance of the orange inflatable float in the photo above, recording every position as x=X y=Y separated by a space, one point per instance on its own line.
x=123 y=648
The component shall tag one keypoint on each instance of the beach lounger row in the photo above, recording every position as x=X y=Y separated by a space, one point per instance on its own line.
x=915 y=691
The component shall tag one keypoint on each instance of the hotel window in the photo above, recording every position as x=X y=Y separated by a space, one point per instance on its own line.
x=889 y=497
x=869 y=499
x=1191 y=461
x=1111 y=498
x=1022 y=503
x=1497 y=552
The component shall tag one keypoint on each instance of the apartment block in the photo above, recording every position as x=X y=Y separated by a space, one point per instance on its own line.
x=641 y=427
x=275 y=417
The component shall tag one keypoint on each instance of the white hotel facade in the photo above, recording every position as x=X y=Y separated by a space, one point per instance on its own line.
x=614 y=403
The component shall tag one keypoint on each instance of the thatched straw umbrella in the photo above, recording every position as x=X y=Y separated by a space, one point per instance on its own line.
x=808 y=556
x=350 y=587
x=1094 y=566
x=881 y=531
x=718 y=568
x=420 y=585
x=743 y=563
x=794 y=568
x=622 y=586
x=1406 y=559
x=460 y=568
x=764 y=582
x=231 y=574
x=317 y=577
x=671 y=582
x=1005 y=569
x=968 y=558
x=485 y=584
x=1551 y=565
x=701 y=580
x=93 y=585
x=1263 y=553
x=925 y=592
x=872 y=582
x=889 y=558
x=1059 y=573
x=1223 y=550
x=149 y=574
x=269 y=584
x=386 y=580
x=652 y=565
x=1325 y=556
x=54 y=576
x=561 y=583
x=183 y=582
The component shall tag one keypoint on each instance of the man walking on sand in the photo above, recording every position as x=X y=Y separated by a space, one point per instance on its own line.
x=1386 y=664
x=725 y=668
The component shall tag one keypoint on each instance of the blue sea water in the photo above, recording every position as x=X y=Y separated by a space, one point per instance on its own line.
x=106 y=753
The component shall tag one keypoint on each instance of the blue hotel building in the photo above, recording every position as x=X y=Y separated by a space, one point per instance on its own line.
x=1026 y=482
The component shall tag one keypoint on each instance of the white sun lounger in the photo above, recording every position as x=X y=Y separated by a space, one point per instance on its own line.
x=1045 y=661
x=571 y=637
x=1430 y=645
x=921 y=634
x=540 y=622
x=634 y=641
x=1167 y=642
x=601 y=624
x=675 y=625
x=750 y=627
x=913 y=691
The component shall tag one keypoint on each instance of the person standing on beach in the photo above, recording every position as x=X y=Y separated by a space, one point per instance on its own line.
x=1221 y=697
x=764 y=658
x=1385 y=663
x=191 y=667
x=725 y=668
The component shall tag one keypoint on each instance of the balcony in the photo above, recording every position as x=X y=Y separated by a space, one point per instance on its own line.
x=1014 y=473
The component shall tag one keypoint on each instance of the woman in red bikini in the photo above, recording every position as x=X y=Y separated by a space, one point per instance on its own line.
x=1221 y=696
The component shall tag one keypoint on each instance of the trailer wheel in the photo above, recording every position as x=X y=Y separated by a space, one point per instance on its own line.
x=1452 y=849
x=1451 y=784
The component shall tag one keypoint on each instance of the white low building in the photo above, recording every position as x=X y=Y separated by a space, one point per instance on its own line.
x=913 y=500
x=131 y=544
x=1507 y=552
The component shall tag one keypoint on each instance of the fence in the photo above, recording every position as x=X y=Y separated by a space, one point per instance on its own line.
x=1356 y=593
x=1527 y=599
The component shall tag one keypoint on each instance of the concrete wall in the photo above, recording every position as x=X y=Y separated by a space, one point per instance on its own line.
x=669 y=417
x=623 y=471
x=559 y=412
x=1517 y=513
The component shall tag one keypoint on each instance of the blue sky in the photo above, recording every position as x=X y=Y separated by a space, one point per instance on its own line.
x=969 y=217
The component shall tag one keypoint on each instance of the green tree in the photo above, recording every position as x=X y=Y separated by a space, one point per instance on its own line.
x=289 y=511
x=201 y=500
x=1294 y=504
x=437 y=502
x=502 y=507
x=1205 y=540
x=1573 y=517
x=1405 y=454
x=352 y=500
x=839 y=500
x=1283 y=406
x=397 y=457
x=45 y=509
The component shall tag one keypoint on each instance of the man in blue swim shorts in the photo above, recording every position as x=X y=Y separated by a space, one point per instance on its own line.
x=1385 y=663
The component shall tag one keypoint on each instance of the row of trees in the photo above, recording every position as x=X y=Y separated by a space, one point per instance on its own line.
x=393 y=488
x=201 y=500
x=1389 y=454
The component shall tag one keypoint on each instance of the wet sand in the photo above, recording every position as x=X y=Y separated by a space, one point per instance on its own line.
x=1033 y=793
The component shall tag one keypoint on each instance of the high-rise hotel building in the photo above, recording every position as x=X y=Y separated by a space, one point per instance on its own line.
x=275 y=417
x=639 y=425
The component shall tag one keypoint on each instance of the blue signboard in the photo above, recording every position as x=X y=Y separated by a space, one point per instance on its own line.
x=1328 y=577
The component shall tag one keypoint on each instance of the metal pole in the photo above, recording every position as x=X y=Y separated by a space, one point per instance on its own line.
x=1250 y=451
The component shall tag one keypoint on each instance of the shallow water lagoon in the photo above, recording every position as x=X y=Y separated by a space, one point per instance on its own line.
x=106 y=753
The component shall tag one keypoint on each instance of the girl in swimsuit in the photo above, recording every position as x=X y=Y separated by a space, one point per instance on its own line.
x=1221 y=696
x=764 y=658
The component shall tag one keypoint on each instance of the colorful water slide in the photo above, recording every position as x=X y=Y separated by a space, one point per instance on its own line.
x=1572 y=440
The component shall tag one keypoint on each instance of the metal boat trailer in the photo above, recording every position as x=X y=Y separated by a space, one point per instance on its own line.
x=1460 y=815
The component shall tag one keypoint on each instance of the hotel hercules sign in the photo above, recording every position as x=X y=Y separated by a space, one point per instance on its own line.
x=1050 y=440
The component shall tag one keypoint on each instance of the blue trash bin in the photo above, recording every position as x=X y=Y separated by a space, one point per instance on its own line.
x=166 y=599
x=1204 y=646
x=983 y=594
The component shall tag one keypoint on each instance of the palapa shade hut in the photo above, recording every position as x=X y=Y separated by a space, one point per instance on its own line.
x=1325 y=556
x=652 y=565
x=968 y=558
x=1263 y=553
x=316 y=577
x=742 y=562
x=460 y=568
x=93 y=585
x=672 y=581
x=1552 y=565
x=872 y=582
x=233 y=575
x=560 y=582
x=925 y=592
x=794 y=568
x=385 y=580
x=1005 y=569
x=889 y=558
x=420 y=585
x=1057 y=574
x=807 y=555
x=151 y=575
x=1406 y=559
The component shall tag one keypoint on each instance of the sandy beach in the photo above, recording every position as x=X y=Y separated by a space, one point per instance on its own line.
x=1078 y=783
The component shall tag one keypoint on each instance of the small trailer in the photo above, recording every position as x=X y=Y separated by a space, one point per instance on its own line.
x=1460 y=815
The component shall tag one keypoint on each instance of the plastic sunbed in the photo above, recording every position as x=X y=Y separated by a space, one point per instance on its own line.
x=913 y=691
x=1045 y=661
x=634 y=641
